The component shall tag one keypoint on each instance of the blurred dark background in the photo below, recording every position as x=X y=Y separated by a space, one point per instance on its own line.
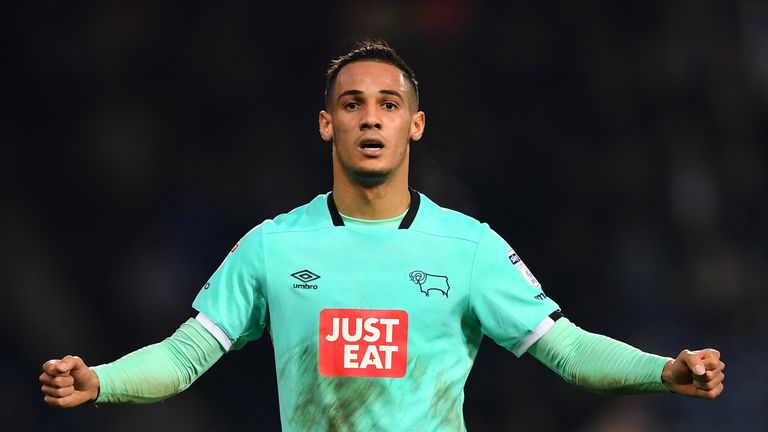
x=619 y=147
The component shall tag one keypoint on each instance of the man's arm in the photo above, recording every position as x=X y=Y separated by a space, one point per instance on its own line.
x=605 y=365
x=149 y=374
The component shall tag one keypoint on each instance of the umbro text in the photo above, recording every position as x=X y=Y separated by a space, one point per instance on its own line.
x=305 y=286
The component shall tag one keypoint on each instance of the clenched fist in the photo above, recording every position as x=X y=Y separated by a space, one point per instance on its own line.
x=695 y=374
x=68 y=382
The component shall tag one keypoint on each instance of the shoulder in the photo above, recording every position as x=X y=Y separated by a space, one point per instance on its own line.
x=308 y=217
x=436 y=220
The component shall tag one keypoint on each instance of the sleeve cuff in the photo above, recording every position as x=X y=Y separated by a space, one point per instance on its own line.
x=533 y=336
x=215 y=331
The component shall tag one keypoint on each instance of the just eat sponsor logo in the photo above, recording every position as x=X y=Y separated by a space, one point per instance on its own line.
x=363 y=343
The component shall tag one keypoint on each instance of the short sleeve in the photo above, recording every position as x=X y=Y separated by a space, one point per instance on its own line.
x=506 y=298
x=234 y=297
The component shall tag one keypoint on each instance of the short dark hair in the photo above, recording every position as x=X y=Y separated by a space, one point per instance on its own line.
x=369 y=50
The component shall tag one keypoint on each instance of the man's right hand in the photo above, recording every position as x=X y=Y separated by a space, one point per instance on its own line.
x=68 y=382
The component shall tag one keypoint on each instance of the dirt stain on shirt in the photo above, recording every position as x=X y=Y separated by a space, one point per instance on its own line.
x=333 y=403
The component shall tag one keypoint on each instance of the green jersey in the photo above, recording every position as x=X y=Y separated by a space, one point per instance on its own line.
x=375 y=328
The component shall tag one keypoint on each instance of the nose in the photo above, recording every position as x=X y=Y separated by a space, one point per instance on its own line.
x=371 y=119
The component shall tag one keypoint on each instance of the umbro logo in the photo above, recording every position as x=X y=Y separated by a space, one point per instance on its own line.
x=305 y=276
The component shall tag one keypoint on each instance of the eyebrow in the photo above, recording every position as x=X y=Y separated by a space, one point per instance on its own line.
x=359 y=92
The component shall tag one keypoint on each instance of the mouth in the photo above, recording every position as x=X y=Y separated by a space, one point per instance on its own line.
x=371 y=146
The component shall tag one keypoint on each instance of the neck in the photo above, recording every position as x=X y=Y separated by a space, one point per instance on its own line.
x=384 y=201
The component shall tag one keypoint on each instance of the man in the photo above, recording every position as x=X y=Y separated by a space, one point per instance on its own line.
x=375 y=298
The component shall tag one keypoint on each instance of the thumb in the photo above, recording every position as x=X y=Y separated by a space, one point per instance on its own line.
x=68 y=363
x=698 y=369
x=695 y=363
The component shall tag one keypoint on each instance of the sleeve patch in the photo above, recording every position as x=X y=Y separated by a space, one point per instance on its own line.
x=515 y=259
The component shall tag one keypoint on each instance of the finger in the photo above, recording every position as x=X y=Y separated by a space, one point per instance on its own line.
x=63 y=381
x=710 y=373
x=52 y=401
x=44 y=378
x=57 y=392
x=65 y=402
x=710 y=383
x=710 y=394
x=710 y=358
x=49 y=367
x=56 y=381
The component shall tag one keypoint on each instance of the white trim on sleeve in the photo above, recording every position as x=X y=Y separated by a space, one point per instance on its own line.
x=215 y=331
x=533 y=336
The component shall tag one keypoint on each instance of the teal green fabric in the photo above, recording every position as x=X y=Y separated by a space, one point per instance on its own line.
x=161 y=370
x=598 y=363
x=452 y=275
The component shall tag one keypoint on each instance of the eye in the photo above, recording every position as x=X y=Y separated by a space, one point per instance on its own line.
x=389 y=106
x=351 y=105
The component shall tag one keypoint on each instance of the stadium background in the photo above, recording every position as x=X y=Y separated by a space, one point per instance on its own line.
x=621 y=148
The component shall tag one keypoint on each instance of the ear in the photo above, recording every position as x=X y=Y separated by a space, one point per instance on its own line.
x=326 y=126
x=418 y=122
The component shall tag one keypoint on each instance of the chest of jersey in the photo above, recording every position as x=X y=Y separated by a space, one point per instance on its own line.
x=365 y=298
x=342 y=266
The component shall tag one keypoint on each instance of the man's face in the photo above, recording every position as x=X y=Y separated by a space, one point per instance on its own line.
x=371 y=117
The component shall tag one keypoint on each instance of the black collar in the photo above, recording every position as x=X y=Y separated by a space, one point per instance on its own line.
x=410 y=215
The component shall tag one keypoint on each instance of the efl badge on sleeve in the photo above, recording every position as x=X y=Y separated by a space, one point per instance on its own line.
x=518 y=262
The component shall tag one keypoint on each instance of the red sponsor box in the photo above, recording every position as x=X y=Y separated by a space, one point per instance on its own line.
x=363 y=343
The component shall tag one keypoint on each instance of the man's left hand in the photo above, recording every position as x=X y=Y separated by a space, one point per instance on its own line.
x=695 y=373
